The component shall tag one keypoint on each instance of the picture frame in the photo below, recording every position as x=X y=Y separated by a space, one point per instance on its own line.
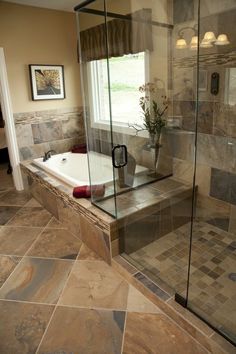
x=47 y=82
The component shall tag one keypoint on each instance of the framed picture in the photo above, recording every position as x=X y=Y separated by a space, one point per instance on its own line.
x=47 y=82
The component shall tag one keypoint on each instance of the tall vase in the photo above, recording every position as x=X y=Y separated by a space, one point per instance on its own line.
x=155 y=146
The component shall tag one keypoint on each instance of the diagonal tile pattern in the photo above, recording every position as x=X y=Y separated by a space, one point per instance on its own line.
x=84 y=331
x=22 y=326
x=95 y=284
x=37 y=280
x=56 y=243
x=58 y=296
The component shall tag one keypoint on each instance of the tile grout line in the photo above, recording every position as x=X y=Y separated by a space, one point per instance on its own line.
x=67 y=306
x=56 y=306
x=124 y=330
x=36 y=239
x=21 y=259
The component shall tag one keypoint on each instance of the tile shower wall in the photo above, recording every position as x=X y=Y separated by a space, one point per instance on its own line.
x=40 y=131
x=216 y=142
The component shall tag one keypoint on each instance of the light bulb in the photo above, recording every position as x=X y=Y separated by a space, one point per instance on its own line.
x=194 y=43
x=210 y=37
x=222 y=39
x=181 y=44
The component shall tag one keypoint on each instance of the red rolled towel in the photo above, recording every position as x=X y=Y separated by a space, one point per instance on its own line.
x=79 y=149
x=86 y=191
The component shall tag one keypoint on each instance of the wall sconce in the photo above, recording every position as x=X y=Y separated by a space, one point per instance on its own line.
x=181 y=42
x=208 y=40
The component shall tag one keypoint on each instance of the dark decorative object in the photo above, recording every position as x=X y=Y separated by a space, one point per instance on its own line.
x=47 y=82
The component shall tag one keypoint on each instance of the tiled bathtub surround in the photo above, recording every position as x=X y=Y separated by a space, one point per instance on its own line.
x=77 y=294
x=58 y=129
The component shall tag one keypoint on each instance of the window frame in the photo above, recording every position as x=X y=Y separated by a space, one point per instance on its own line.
x=95 y=100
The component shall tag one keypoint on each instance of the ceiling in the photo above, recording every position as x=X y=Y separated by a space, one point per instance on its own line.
x=62 y=5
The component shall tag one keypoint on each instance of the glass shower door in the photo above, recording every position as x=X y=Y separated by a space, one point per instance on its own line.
x=93 y=55
x=212 y=280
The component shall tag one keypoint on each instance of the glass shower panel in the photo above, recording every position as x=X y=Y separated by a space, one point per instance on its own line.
x=212 y=282
x=93 y=56
x=155 y=233
x=139 y=157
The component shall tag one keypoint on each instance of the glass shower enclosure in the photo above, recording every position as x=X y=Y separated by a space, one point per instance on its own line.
x=159 y=89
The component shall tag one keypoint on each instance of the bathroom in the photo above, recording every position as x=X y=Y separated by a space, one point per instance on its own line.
x=133 y=217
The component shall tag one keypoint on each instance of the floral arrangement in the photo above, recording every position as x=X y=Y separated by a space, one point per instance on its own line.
x=152 y=112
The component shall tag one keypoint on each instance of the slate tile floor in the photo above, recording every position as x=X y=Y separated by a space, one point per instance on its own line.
x=211 y=291
x=57 y=296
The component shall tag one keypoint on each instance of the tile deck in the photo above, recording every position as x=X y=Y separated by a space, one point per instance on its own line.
x=211 y=291
x=58 y=296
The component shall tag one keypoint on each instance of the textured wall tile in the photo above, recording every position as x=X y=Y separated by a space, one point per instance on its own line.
x=220 y=185
x=211 y=150
x=24 y=135
x=49 y=201
x=223 y=185
x=48 y=131
x=95 y=239
x=66 y=145
x=73 y=127
x=182 y=144
x=33 y=151
x=69 y=218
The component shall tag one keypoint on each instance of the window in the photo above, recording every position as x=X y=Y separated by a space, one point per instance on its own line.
x=127 y=74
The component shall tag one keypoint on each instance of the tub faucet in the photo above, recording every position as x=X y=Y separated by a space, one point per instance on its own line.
x=48 y=154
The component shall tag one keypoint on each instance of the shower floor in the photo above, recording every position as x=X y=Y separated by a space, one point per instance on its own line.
x=211 y=293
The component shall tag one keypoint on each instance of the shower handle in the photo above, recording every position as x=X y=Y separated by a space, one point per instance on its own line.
x=122 y=159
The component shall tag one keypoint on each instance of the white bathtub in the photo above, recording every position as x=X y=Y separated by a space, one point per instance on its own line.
x=72 y=168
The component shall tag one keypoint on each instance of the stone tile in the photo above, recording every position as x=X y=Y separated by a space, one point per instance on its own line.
x=33 y=151
x=127 y=266
x=7 y=265
x=56 y=243
x=49 y=201
x=32 y=203
x=45 y=132
x=220 y=188
x=22 y=326
x=95 y=239
x=87 y=254
x=15 y=198
x=69 y=218
x=17 y=240
x=151 y=286
x=182 y=145
x=37 y=280
x=95 y=284
x=75 y=330
x=211 y=150
x=55 y=224
x=225 y=345
x=152 y=333
x=213 y=211
x=36 y=217
x=24 y=135
x=6 y=213
x=72 y=127
x=137 y=302
x=65 y=145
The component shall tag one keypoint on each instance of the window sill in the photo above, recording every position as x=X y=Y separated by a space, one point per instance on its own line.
x=119 y=128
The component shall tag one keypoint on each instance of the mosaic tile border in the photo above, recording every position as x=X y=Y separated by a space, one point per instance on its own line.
x=199 y=330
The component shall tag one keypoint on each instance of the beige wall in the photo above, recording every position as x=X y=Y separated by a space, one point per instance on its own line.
x=31 y=35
